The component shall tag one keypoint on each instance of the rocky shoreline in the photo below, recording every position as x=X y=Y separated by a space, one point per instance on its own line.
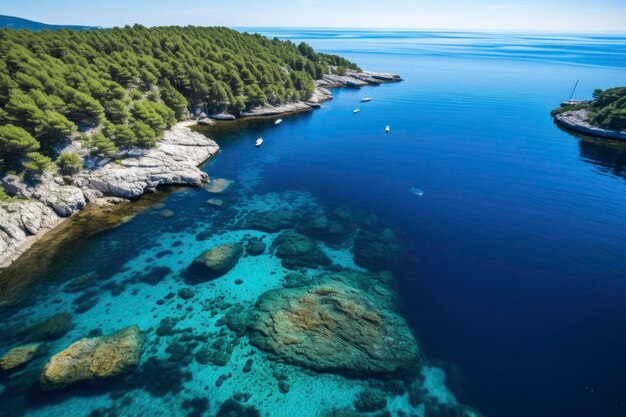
x=38 y=208
x=351 y=79
x=579 y=121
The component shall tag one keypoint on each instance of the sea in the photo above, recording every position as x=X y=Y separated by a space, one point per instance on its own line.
x=509 y=253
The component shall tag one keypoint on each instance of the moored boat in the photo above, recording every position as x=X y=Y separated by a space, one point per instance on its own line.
x=387 y=129
x=258 y=142
x=277 y=122
x=366 y=99
x=356 y=111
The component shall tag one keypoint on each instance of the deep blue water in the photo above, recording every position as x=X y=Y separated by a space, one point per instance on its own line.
x=520 y=278
x=515 y=279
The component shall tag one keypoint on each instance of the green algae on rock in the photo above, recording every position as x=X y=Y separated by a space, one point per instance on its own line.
x=51 y=328
x=370 y=400
x=255 y=246
x=321 y=226
x=297 y=251
x=272 y=221
x=376 y=250
x=18 y=356
x=344 y=322
x=94 y=359
x=215 y=262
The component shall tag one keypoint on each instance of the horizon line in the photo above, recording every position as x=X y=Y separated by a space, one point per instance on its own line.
x=373 y=29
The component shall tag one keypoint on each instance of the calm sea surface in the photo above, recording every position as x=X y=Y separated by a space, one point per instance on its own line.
x=514 y=231
x=520 y=235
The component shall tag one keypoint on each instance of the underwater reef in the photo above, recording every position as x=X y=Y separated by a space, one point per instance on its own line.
x=266 y=305
x=343 y=322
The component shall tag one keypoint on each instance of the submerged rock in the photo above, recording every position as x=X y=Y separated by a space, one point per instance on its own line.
x=343 y=322
x=297 y=251
x=343 y=412
x=231 y=408
x=154 y=275
x=186 y=293
x=218 y=353
x=218 y=185
x=166 y=213
x=272 y=221
x=215 y=262
x=18 y=356
x=436 y=408
x=217 y=202
x=324 y=228
x=161 y=377
x=255 y=246
x=370 y=400
x=81 y=282
x=94 y=359
x=376 y=250
x=294 y=280
x=51 y=328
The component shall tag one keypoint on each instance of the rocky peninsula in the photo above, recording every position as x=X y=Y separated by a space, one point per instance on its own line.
x=39 y=207
x=603 y=116
x=580 y=121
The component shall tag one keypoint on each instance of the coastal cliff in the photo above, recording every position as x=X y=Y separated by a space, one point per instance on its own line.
x=37 y=208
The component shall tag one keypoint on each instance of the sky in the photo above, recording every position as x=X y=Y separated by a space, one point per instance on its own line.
x=517 y=15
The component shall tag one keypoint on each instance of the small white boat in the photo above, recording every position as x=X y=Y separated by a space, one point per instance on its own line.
x=356 y=111
x=277 y=122
x=366 y=99
x=258 y=142
x=387 y=128
x=416 y=191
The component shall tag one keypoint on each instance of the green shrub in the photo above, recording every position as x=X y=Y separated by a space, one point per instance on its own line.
x=101 y=147
x=15 y=143
x=69 y=163
x=36 y=165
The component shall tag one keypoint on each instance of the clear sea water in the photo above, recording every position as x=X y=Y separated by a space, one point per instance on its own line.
x=514 y=274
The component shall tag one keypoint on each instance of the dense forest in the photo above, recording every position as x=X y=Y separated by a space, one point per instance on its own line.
x=125 y=86
x=609 y=108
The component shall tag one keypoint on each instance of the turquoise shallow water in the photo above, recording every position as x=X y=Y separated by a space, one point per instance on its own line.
x=511 y=272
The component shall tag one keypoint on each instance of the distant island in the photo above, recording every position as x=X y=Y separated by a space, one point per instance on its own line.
x=11 y=22
x=102 y=116
x=603 y=116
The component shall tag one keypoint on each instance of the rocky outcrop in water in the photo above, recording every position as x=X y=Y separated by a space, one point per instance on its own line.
x=218 y=185
x=18 y=356
x=51 y=328
x=94 y=359
x=299 y=251
x=271 y=221
x=370 y=400
x=343 y=322
x=376 y=250
x=215 y=262
x=356 y=79
x=255 y=246
x=580 y=121
x=325 y=228
x=41 y=206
